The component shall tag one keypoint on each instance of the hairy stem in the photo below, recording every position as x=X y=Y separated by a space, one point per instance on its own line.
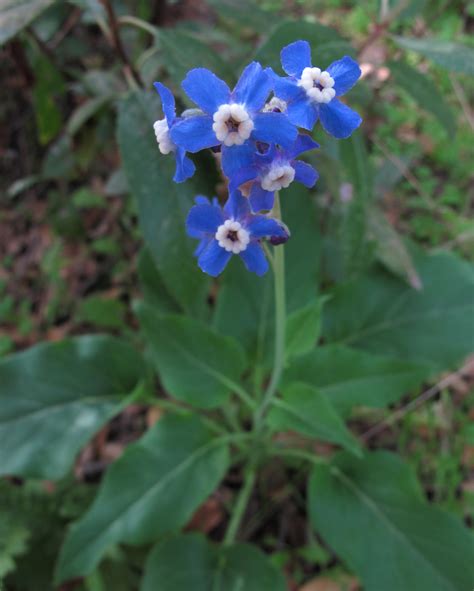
x=280 y=324
x=241 y=504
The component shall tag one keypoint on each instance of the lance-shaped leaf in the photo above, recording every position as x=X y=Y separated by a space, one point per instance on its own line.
x=309 y=412
x=15 y=15
x=452 y=56
x=190 y=562
x=350 y=377
x=55 y=396
x=152 y=489
x=373 y=515
x=434 y=324
x=195 y=364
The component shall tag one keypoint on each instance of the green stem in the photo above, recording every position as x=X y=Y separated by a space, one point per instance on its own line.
x=298 y=453
x=280 y=324
x=241 y=504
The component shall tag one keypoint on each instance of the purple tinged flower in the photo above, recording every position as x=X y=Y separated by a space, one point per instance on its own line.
x=184 y=166
x=310 y=93
x=230 y=230
x=269 y=169
x=231 y=118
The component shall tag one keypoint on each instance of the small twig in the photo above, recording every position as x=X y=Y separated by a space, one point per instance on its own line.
x=68 y=25
x=117 y=44
x=459 y=92
x=382 y=27
x=414 y=404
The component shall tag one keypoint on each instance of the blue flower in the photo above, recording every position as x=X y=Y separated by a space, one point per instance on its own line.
x=231 y=230
x=184 y=166
x=269 y=169
x=231 y=118
x=311 y=94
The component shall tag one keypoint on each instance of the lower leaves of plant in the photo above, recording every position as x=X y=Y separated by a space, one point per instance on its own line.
x=61 y=393
x=374 y=507
x=152 y=489
x=191 y=562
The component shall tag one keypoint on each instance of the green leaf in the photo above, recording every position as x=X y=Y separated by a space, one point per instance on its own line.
x=373 y=514
x=162 y=204
x=152 y=489
x=15 y=15
x=195 y=364
x=13 y=543
x=303 y=328
x=390 y=248
x=425 y=93
x=55 y=396
x=181 y=52
x=190 y=562
x=236 y=13
x=452 y=56
x=152 y=285
x=102 y=312
x=309 y=412
x=353 y=230
x=326 y=43
x=348 y=377
x=383 y=315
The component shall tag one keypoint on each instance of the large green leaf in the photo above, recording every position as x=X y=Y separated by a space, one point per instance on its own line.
x=309 y=412
x=153 y=488
x=190 y=562
x=181 y=51
x=349 y=377
x=15 y=15
x=55 y=396
x=372 y=513
x=449 y=55
x=303 y=328
x=162 y=204
x=424 y=91
x=383 y=315
x=195 y=363
x=326 y=43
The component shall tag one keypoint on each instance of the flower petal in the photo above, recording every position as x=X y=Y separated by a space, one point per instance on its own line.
x=345 y=72
x=254 y=259
x=184 y=166
x=236 y=157
x=287 y=89
x=338 y=119
x=213 y=259
x=206 y=89
x=274 y=128
x=253 y=87
x=237 y=206
x=203 y=218
x=303 y=113
x=261 y=199
x=261 y=226
x=303 y=143
x=305 y=174
x=295 y=57
x=202 y=245
x=167 y=102
x=194 y=133
x=244 y=175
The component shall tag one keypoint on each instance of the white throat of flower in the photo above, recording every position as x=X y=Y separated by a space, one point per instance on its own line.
x=275 y=105
x=232 y=237
x=165 y=143
x=278 y=177
x=232 y=125
x=318 y=85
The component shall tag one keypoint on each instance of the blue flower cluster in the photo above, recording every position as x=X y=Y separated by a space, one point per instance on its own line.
x=255 y=129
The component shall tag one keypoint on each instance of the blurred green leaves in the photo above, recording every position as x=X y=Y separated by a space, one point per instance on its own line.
x=15 y=15
x=452 y=56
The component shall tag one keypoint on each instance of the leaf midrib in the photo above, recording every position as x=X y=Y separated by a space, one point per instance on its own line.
x=378 y=511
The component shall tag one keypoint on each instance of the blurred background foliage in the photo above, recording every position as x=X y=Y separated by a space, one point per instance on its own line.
x=69 y=233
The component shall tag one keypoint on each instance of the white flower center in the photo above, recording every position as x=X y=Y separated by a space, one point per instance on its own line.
x=232 y=125
x=232 y=237
x=278 y=177
x=318 y=85
x=275 y=105
x=165 y=143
